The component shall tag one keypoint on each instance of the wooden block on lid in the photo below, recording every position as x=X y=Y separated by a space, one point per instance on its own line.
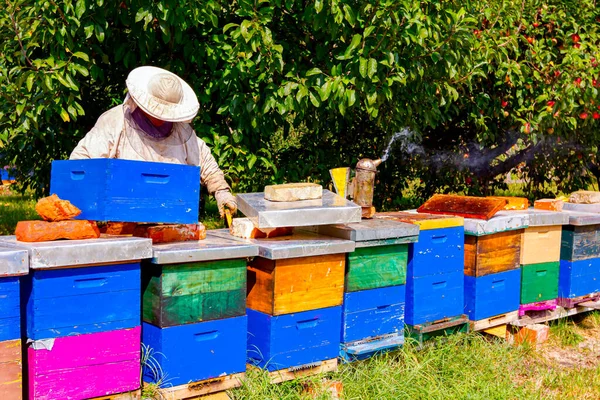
x=462 y=206
x=244 y=228
x=585 y=197
x=548 y=204
x=513 y=203
x=293 y=192
x=52 y=208
x=171 y=232
x=43 y=231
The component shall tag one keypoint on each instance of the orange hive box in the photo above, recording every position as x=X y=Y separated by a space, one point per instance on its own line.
x=513 y=203
x=549 y=204
x=171 y=233
x=52 y=208
x=43 y=231
x=462 y=206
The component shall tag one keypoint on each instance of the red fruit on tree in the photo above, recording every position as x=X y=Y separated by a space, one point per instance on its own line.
x=577 y=45
x=575 y=38
x=536 y=24
x=596 y=115
x=527 y=127
x=577 y=81
x=530 y=40
x=504 y=103
x=468 y=180
x=551 y=103
x=583 y=115
x=557 y=73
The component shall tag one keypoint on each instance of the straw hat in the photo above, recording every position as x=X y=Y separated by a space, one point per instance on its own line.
x=162 y=94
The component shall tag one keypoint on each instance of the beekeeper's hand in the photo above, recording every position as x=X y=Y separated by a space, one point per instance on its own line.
x=225 y=199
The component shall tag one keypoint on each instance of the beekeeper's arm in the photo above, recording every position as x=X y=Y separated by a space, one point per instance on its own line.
x=100 y=141
x=214 y=180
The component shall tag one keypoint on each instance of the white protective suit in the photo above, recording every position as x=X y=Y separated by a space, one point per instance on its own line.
x=116 y=135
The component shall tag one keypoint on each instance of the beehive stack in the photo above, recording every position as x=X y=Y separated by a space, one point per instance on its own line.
x=194 y=312
x=435 y=281
x=375 y=290
x=579 y=277
x=492 y=274
x=13 y=264
x=83 y=316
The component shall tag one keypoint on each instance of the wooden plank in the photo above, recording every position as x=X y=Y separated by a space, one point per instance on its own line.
x=539 y=282
x=440 y=324
x=462 y=206
x=289 y=374
x=425 y=221
x=501 y=319
x=541 y=244
x=291 y=285
x=533 y=308
x=559 y=312
x=494 y=253
x=133 y=395
x=513 y=203
x=178 y=294
x=202 y=388
x=573 y=302
x=11 y=370
x=499 y=331
x=376 y=267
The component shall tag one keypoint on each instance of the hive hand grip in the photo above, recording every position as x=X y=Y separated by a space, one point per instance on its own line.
x=90 y=283
x=383 y=309
x=77 y=175
x=542 y=272
x=309 y=323
x=155 y=178
x=204 y=336
x=499 y=284
x=440 y=285
x=439 y=238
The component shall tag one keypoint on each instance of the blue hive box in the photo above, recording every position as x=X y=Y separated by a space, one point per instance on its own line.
x=492 y=295
x=10 y=315
x=178 y=355
x=128 y=191
x=74 y=301
x=579 y=278
x=431 y=298
x=292 y=340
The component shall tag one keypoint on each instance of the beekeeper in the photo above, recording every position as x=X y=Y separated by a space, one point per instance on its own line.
x=153 y=124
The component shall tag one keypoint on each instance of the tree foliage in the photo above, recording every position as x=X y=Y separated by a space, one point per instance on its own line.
x=290 y=88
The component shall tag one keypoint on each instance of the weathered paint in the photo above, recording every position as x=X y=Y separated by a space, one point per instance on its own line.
x=433 y=297
x=580 y=242
x=376 y=267
x=82 y=300
x=363 y=349
x=11 y=373
x=129 y=191
x=492 y=295
x=178 y=294
x=424 y=221
x=284 y=341
x=195 y=352
x=579 y=278
x=422 y=333
x=438 y=251
x=295 y=284
x=85 y=366
x=492 y=254
x=539 y=282
x=372 y=313
x=541 y=244
x=10 y=314
x=537 y=306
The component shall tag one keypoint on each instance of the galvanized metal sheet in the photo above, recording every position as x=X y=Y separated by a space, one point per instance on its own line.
x=13 y=262
x=582 y=219
x=370 y=229
x=299 y=244
x=587 y=208
x=331 y=209
x=210 y=249
x=63 y=253
x=387 y=242
x=541 y=217
x=498 y=223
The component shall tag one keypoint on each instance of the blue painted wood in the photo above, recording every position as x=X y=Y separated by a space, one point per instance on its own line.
x=493 y=294
x=374 y=312
x=362 y=350
x=433 y=297
x=75 y=301
x=284 y=341
x=438 y=251
x=10 y=313
x=194 y=352
x=5 y=175
x=129 y=191
x=578 y=278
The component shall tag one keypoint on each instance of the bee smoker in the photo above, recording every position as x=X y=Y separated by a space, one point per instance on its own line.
x=361 y=187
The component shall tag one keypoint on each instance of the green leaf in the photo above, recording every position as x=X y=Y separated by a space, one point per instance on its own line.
x=371 y=98
x=62 y=80
x=82 y=55
x=362 y=66
x=351 y=97
x=81 y=69
x=356 y=39
x=88 y=30
x=435 y=57
x=251 y=161
x=48 y=82
x=349 y=14
x=302 y=92
x=20 y=108
x=244 y=30
x=30 y=79
x=64 y=115
x=318 y=6
x=372 y=68
x=141 y=13
x=314 y=100
x=229 y=26
x=99 y=33
x=79 y=8
x=325 y=90
x=313 y=71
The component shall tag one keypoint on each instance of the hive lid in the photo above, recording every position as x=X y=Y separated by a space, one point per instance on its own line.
x=423 y=220
x=582 y=219
x=65 y=253
x=299 y=244
x=587 y=208
x=499 y=223
x=463 y=206
x=331 y=209
x=210 y=249
x=370 y=229
x=541 y=217
x=13 y=262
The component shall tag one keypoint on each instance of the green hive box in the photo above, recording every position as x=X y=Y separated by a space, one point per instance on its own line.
x=178 y=294
x=539 y=282
x=376 y=267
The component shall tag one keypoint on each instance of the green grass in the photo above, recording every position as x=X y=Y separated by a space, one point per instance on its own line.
x=13 y=209
x=565 y=331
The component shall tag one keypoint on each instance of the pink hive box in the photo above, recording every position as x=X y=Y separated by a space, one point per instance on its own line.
x=85 y=366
